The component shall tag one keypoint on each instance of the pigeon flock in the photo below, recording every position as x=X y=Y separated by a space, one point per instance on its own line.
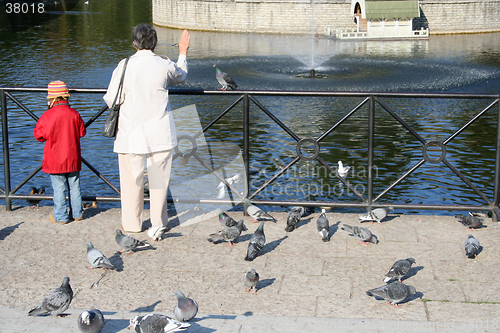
x=394 y=291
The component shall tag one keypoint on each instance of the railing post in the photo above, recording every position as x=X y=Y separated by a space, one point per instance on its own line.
x=6 y=157
x=371 y=141
x=246 y=145
x=496 y=198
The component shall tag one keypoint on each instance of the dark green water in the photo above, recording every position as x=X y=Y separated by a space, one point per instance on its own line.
x=83 y=46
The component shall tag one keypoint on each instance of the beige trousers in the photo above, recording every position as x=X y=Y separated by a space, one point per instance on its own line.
x=131 y=167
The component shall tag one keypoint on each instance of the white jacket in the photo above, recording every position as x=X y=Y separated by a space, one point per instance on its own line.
x=146 y=123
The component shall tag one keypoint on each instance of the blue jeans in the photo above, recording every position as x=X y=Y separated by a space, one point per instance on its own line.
x=60 y=181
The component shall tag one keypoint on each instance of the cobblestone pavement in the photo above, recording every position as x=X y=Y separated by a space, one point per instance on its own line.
x=305 y=284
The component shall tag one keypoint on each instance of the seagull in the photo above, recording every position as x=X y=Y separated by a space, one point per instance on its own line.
x=224 y=79
x=222 y=187
x=343 y=170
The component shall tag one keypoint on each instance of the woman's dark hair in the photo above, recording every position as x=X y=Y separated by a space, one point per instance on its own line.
x=144 y=37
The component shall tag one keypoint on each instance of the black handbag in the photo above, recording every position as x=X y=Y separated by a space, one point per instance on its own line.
x=111 y=124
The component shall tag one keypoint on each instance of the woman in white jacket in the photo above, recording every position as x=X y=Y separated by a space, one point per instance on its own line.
x=146 y=128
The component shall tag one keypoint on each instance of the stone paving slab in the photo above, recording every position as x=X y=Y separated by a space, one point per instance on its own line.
x=306 y=285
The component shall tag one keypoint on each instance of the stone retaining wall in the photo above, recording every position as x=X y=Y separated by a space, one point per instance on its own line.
x=295 y=16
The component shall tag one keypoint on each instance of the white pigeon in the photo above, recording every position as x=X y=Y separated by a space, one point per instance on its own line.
x=343 y=170
x=377 y=214
x=156 y=323
x=222 y=187
x=257 y=213
x=91 y=321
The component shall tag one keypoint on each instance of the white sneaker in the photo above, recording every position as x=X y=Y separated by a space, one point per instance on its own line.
x=156 y=232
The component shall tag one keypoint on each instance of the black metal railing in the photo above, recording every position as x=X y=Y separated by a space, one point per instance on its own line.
x=368 y=100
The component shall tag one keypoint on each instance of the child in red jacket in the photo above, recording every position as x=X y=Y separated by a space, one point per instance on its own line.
x=61 y=128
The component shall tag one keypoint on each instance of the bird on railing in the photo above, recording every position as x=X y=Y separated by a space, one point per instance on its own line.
x=224 y=79
x=36 y=202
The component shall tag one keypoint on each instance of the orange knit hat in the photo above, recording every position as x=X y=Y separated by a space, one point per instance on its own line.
x=57 y=89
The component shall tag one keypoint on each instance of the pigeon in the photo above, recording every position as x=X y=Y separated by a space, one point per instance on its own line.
x=293 y=218
x=56 y=302
x=225 y=220
x=186 y=308
x=36 y=202
x=399 y=269
x=394 y=293
x=471 y=247
x=363 y=234
x=130 y=243
x=257 y=213
x=224 y=79
x=342 y=170
x=251 y=280
x=156 y=323
x=471 y=222
x=91 y=321
x=323 y=226
x=97 y=259
x=228 y=234
x=377 y=214
x=256 y=243
x=222 y=187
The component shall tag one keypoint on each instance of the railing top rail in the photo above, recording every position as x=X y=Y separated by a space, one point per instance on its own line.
x=194 y=91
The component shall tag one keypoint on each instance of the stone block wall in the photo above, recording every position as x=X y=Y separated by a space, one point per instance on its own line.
x=459 y=16
x=304 y=16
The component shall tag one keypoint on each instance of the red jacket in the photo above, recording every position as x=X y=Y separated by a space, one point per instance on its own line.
x=61 y=128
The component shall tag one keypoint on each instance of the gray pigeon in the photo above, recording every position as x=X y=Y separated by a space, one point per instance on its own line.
x=228 y=234
x=97 y=259
x=224 y=79
x=323 y=226
x=256 y=243
x=156 y=323
x=225 y=220
x=56 y=302
x=377 y=214
x=91 y=321
x=129 y=243
x=186 y=308
x=293 y=218
x=471 y=247
x=363 y=234
x=399 y=269
x=251 y=280
x=394 y=293
x=471 y=222
x=257 y=213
